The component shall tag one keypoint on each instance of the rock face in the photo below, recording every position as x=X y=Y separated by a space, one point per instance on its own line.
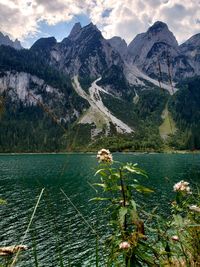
x=5 y=40
x=144 y=44
x=84 y=52
x=30 y=90
x=120 y=45
x=191 y=50
x=158 y=54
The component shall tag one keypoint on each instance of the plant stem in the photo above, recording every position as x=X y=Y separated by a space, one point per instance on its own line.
x=124 y=196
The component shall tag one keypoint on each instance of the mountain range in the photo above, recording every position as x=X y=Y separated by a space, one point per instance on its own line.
x=87 y=91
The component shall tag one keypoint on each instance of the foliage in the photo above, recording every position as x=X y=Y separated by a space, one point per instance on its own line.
x=145 y=139
x=115 y=77
x=140 y=238
x=185 y=109
x=124 y=110
x=151 y=104
x=127 y=241
x=181 y=234
x=85 y=83
x=29 y=129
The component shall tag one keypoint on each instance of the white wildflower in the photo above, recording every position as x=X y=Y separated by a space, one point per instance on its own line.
x=124 y=245
x=104 y=156
x=182 y=186
x=175 y=238
x=121 y=202
x=194 y=208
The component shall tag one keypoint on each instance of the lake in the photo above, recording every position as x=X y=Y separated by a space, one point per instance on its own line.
x=58 y=233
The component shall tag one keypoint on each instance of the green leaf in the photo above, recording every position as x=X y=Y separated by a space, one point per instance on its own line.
x=102 y=172
x=142 y=189
x=133 y=169
x=122 y=213
x=114 y=175
x=178 y=220
x=101 y=185
x=133 y=204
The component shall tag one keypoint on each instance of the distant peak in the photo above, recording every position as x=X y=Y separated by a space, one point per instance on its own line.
x=91 y=26
x=194 y=40
x=117 y=41
x=158 y=26
x=5 y=40
x=44 y=43
x=75 y=30
x=117 y=38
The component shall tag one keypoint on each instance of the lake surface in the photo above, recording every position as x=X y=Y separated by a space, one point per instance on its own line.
x=58 y=233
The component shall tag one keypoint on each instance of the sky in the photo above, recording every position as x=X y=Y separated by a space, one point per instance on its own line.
x=29 y=20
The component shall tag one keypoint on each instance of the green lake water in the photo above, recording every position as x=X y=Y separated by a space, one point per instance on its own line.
x=58 y=233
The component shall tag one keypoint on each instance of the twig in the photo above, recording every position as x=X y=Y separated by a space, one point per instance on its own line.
x=26 y=232
x=93 y=230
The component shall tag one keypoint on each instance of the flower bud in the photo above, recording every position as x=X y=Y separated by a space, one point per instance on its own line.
x=124 y=245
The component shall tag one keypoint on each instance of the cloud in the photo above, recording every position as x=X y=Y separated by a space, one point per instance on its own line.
x=125 y=18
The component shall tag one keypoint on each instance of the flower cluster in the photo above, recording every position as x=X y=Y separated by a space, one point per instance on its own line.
x=104 y=156
x=182 y=186
x=194 y=208
x=124 y=245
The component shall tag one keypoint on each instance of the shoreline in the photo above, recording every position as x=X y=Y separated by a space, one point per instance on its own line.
x=94 y=152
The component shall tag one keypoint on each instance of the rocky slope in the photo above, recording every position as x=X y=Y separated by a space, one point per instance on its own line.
x=191 y=50
x=29 y=90
x=158 y=54
x=120 y=45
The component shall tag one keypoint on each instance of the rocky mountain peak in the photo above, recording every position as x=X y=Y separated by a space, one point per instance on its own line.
x=75 y=30
x=90 y=29
x=44 y=44
x=192 y=42
x=85 y=52
x=159 y=32
x=147 y=48
x=79 y=33
x=119 y=45
x=158 y=26
x=17 y=44
x=157 y=48
x=5 y=40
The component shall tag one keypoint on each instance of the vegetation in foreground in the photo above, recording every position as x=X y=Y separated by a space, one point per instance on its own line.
x=140 y=238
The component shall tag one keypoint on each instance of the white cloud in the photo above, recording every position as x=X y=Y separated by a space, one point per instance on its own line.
x=124 y=18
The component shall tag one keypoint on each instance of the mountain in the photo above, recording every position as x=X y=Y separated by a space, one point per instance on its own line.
x=119 y=44
x=5 y=40
x=84 y=52
x=191 y=50
x=86 y=92
x=158 y=54
x=144 y=43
